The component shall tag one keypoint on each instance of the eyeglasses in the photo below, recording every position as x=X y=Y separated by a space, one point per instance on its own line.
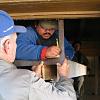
x=46 y=29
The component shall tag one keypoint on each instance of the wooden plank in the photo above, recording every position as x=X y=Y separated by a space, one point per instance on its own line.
x=96 y=75
x=61 y=40
x=25 y=9
x=91 y=48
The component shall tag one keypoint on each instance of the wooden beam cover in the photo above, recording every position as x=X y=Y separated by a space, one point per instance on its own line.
x=36 y=9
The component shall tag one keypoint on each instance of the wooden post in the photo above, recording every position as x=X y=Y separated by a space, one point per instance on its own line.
x=96 y=75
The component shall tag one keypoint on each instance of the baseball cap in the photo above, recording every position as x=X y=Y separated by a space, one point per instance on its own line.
x=7 y=26
x=48 y=24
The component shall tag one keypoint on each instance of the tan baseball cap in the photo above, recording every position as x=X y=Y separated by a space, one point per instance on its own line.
x=49 y=24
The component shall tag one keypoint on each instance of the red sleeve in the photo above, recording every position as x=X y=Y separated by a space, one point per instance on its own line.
x=43 y=53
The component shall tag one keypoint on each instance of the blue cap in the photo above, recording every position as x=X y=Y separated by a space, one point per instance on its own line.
x=7 y=26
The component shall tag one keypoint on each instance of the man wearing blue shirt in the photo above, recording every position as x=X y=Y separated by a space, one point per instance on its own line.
x=39 y=42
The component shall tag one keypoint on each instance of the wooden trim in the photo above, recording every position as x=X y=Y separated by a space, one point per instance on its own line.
x=59 y=9
x=57 y=15
x=15 y=1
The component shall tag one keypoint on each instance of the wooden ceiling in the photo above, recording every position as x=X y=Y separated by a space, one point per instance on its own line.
x=59 y=9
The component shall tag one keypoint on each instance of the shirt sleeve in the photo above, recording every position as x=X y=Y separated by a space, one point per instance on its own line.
x=69 y=50
x=61 y=90
x=27 y=49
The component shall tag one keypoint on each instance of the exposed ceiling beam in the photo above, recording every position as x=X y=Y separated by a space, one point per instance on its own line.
x=34 y=9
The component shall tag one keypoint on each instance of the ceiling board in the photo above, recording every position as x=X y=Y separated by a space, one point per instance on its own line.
x=34 y=9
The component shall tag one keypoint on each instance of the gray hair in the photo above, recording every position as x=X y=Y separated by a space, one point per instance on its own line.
x=3 y=39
